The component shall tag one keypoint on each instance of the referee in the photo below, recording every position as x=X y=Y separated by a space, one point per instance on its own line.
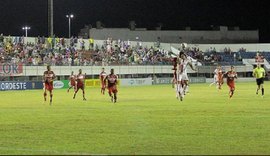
x=259 y=74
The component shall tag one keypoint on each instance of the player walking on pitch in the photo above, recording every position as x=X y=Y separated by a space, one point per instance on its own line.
x=259 y=74
x=102 y=75
x=80 y=84
x=48 y=77
x=112 y=81
x=219 y=77
x=174 y=79
x=215 y=81
x=231 y=75
x=72 y=81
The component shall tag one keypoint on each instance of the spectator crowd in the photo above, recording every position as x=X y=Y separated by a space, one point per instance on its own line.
x=72 y=52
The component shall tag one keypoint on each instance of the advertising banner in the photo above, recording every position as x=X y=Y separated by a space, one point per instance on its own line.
x=13 y=86
x=169 y=80
x=34 y=85
x=136 y=82
x=96 y=82
x=162 y=81
x=92 y=83
x=11 y=69
x=197 y=80
x=61 y=84
x=17 y=85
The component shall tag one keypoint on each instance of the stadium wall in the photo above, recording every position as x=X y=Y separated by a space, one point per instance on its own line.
x=64 y=84
x=120 y=70
x=175 y=36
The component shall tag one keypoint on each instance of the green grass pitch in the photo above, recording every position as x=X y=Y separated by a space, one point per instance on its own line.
x=145 y=120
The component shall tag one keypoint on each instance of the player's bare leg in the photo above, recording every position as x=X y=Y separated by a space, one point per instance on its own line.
x=110 y=94
x=74 y=96
x=212 y=83
x=45 y=95
x=176 y=91
x=69 y=88
x=51 y=96
x=258 y=88
x=115 y=97
x=231 y=93
x=84 y=99
x=180 y=91
x=219 y=86
x=262 y=90
x=102 y=91
x=185 y=87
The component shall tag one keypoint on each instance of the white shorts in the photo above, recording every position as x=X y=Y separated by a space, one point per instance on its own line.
x=182 y=77
x=215 y=78
x=185 y=77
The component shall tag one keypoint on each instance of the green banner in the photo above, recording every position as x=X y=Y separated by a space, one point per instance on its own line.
x=60 y=84
x=65 y=83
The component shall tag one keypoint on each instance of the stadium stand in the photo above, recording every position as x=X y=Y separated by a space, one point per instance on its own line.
x=60 y=52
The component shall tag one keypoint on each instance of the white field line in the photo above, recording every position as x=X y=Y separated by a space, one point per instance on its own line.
x=43 y=150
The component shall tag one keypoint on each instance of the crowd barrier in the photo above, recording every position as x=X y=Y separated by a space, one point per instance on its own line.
x=64 y=84
x=15 y=85
x=169 y=80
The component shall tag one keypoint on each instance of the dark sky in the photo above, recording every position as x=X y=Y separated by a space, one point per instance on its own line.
x=174 y=14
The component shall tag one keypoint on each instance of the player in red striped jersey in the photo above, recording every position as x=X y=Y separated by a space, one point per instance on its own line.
x=80 y=84
x=72 y=81
x=102 y=75
x=112 y=81
x=48 y=77
x=219 y=77
x=231 y=75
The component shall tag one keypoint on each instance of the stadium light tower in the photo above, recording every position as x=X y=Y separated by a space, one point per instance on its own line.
x=26 y=28
x=50 y=17
x=70 y=16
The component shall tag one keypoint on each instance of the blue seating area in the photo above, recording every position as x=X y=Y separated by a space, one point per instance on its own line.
x=223 y=59
x=249 y=55
x=228 y=59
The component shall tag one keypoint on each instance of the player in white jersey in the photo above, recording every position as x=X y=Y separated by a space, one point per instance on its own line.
x=215 y=81
x=186 y=62
x=182 y=77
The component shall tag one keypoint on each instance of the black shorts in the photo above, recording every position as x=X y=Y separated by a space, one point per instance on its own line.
x=259 y=81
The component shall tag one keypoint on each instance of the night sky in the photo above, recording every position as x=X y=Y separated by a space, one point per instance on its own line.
x=174 y=14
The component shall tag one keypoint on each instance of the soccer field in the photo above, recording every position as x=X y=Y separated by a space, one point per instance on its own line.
x=145 y=120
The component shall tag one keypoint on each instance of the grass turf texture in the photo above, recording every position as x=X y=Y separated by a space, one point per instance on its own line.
x=145 y=120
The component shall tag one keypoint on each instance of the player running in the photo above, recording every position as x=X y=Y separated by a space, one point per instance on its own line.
x=72 y=82
x=48 y=77
x=174 y=79
x=102 y=75
x=219 y=77
x=112 y=81
x=80 y=84
x=259 y=74
x=215 y=81
x=231 y=75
